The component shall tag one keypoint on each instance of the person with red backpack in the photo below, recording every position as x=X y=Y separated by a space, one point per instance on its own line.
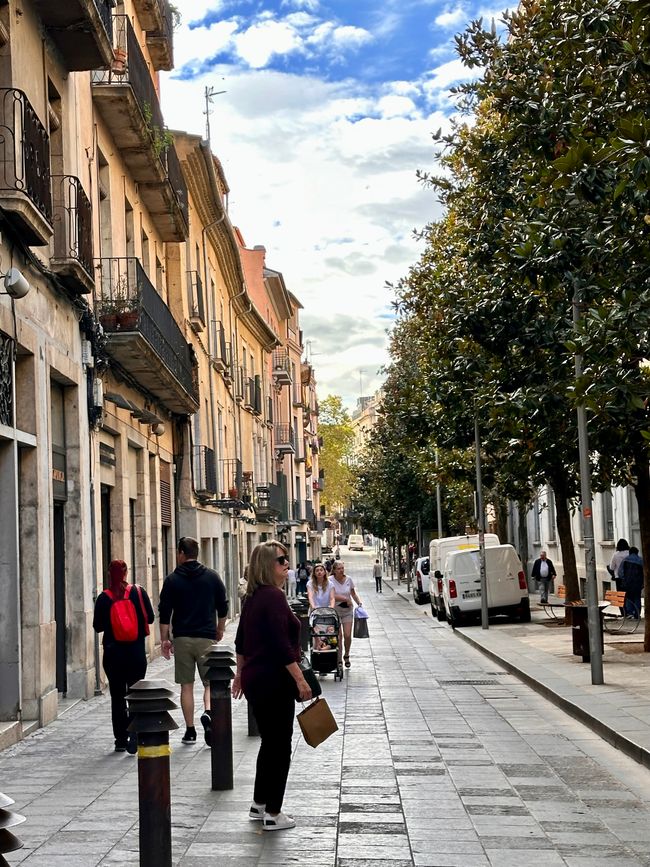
x=123 y=613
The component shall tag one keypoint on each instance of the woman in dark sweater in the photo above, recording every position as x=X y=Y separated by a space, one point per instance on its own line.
x=268 y=674
x=125 y=662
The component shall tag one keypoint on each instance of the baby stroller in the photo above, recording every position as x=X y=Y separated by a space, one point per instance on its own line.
x=324 y=627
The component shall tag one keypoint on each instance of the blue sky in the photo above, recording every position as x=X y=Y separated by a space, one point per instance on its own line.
x=328 y=113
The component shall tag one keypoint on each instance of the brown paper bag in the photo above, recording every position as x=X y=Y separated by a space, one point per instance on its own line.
x=317 y=722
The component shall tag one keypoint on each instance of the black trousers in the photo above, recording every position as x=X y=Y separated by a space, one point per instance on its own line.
x=124 y=666
x=378 y=583
x=274 y=716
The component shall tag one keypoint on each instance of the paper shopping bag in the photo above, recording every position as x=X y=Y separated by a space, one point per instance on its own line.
x=316 y=722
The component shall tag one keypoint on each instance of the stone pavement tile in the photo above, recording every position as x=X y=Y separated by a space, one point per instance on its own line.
x=596 y=861
x=535 y=857
x=372 y=862
x=38 y=860
x=449 y=860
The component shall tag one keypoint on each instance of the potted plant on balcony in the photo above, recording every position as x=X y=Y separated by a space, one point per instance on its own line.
x=233 y=493
x=128 y=316
x=118 y=66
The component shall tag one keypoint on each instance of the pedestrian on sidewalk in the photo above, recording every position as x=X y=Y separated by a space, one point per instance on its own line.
x=191 y=599
x=620 y=554
x=631 y=581
x=268 y=674
x=319 y=589
x=376 y=574
x=302 y=576
x=543 y=572
x=121 y=611
x=291 y=583
x=344 y=593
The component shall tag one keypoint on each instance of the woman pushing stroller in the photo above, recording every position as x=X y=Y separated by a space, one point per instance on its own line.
x=344 y=592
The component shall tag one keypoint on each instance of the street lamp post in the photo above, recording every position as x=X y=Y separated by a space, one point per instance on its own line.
x=481 y=526
x=438 y=503
x=593 y=615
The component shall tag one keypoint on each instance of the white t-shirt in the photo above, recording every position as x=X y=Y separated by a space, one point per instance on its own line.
x=321 y=597
x=344 y=588
x=543 y=569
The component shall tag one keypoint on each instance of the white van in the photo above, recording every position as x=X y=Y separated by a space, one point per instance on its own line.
x=355 y=542
x=439 y=549
x=507 y=588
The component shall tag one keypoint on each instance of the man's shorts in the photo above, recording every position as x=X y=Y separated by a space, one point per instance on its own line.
x=187 y=653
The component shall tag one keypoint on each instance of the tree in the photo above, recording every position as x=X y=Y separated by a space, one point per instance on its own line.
x=336 y=454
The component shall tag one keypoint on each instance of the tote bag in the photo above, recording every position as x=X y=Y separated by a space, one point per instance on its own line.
x=360 y=629
x=316 y=722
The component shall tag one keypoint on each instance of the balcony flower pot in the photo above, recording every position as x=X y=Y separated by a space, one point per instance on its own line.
x=233 y=493
x=127 y=320
x=108 y=321
x=118 y=66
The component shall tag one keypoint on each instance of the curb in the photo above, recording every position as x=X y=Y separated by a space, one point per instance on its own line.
x=635 y=751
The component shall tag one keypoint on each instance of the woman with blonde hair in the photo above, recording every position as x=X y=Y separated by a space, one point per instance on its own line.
x=268 y=674
x=319 y=590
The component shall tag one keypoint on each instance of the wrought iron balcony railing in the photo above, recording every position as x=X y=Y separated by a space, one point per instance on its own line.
x=25 y=165
x=257 y=396
x=195 y=300
x=127 y=302
x=218 y=346
x=105 y=9
x=205 y=470
x=269 y=410
x=177 y=181
x=281 y=367
x=268 y=501
x=73 y=232
x=284 y=439
x=232 y=477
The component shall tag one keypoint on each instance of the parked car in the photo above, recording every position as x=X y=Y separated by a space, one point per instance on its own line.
x=355 y=542
x=439 y=549
x=421 y=580
x=507 y=588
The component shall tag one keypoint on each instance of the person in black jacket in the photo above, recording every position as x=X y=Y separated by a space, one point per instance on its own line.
x=543 y=572
x=125 y=662
x=191 y=599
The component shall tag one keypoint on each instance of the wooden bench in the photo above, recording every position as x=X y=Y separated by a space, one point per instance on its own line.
x=615 y=597
x=615 y=616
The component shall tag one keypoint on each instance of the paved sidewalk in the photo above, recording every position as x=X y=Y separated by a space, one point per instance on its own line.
x=540 y=654
x=443 y=758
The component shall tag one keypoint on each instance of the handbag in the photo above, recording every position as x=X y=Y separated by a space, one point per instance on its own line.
x=309 y=675
x=316 y=722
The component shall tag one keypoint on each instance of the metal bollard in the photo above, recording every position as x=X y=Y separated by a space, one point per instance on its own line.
x=8 y=842
x=149 y=704
x=253 y=731
x=219 y=661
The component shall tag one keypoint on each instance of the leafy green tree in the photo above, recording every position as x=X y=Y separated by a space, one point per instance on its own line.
x=336 y=454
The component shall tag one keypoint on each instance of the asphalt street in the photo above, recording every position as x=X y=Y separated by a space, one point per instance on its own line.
x=442 y=758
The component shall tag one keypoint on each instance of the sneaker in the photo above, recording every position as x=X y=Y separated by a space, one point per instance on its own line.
x=256 y=811
x=277 y=823
x=132 y=745
x=120 y=746
x=190 y=735
x=206 y=722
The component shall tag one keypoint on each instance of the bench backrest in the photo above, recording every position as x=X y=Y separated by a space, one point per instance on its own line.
x=616 y=597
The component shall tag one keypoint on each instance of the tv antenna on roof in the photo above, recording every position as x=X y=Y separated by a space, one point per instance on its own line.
x=210 y=93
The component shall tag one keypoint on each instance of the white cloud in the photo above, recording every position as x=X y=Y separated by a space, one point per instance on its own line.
x=396 y=106
x=262 y=41
x=451 y=18
x=442 y=77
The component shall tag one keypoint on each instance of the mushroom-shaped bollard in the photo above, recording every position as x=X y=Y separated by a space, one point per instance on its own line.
x=149 y=705
x=8 y=842
x=219 y=662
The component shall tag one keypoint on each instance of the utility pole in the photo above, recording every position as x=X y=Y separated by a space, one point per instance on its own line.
x=209 y=94
x=481 y=526
x=593 y=615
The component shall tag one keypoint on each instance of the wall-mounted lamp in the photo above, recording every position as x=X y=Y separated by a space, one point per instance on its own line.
x=158 y=429
x=16 y=284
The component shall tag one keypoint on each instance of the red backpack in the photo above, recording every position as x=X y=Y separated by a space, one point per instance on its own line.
x=124 y=618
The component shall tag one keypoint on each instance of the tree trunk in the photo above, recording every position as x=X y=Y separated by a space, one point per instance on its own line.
x=642 y=491
x=522 y=534
x=563 y=517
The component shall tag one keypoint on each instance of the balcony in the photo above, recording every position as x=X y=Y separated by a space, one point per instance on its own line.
x=269 y=411
x=81 y=30
x=218 y=356
x=257 y=396
x=126 y=98
x=281 y=367
x=318 y=486
x=268 y=502
x=143 y=336
x=228 y=372
x=232 y=478
x=299 y=455
x=309 y=513
x=25 y=192
x=196 y=301
x=160 y=33
x=238 y=383
x=73 y=235
x=205 y=471
x=284 y=440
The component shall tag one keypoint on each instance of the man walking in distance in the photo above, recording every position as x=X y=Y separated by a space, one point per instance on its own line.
x=192 y=598
x=544 y=572
x=376 y=574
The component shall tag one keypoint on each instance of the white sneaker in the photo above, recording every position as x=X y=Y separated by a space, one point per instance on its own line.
x=277 y=823
x=256 y=811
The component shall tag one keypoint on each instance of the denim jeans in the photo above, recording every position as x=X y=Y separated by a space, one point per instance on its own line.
x=544 y=584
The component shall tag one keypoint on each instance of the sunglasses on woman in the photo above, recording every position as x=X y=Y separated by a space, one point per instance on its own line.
x=282 y=560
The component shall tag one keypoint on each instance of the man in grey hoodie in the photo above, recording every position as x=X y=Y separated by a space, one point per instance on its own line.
x=193 y=599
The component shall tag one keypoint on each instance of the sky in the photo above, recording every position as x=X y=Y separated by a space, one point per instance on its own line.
x=328 y=112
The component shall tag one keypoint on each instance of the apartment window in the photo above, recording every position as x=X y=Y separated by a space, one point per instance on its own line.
x=146 y=259
x=607 y=506
x=552 y=514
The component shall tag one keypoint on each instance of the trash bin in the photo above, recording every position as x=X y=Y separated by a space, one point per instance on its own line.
x=578 y=616
x=300 y=607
